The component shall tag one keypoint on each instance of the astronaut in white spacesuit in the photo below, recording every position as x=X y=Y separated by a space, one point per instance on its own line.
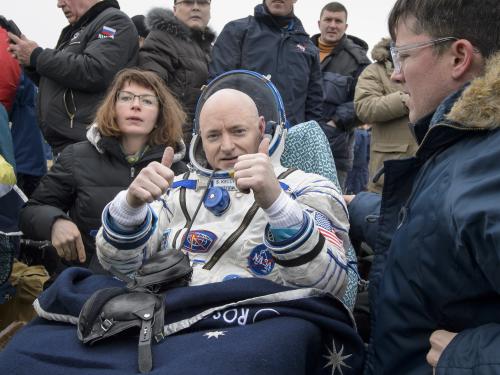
x=258 y=218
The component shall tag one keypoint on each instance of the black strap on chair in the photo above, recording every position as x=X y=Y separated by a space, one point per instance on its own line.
x=138 y=305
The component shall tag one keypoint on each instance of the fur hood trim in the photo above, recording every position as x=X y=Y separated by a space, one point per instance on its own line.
x=94 y=137
x=380 y=52
x=165 y=20
x=479 y=105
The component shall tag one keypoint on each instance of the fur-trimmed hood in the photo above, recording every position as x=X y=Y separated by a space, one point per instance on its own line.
x=165 y=20
x=479 y=105
x=381 y=52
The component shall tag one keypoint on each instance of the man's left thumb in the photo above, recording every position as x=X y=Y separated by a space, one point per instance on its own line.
x=264 y=146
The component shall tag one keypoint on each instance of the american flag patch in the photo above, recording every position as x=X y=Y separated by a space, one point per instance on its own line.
x=325 y=227
x=107 y=33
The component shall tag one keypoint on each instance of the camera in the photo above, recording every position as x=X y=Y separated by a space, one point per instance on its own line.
x=10 y=26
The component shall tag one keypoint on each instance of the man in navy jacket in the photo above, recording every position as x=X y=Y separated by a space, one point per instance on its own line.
x=343 y=58
x=273 y=42
x=435 y=285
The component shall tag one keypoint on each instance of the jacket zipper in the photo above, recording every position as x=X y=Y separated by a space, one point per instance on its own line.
x=132 y=172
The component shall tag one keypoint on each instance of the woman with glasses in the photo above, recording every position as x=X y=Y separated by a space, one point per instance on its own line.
x=178 y=49
x=137 y=120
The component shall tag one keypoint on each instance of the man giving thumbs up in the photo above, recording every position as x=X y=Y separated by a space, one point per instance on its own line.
x=257 y=218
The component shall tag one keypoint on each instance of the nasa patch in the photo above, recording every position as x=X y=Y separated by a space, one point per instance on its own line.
x=199 y=241
x=261 y=261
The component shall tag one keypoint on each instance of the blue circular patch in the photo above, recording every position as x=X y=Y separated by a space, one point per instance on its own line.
x=261 y=261
x=199 y=241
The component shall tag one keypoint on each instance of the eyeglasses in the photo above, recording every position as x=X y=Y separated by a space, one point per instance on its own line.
x=190 y=3
x=396 y=52
x=146 y=100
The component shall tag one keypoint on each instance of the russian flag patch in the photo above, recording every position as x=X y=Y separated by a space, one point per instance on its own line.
x=107 y=33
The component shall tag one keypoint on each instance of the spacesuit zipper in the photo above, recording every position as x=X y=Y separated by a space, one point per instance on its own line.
x=243 y=226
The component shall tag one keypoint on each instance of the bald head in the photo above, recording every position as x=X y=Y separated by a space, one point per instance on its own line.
x=225 y=101
x=230 y=126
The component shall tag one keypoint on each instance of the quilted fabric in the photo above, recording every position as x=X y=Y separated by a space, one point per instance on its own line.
x=307 y=148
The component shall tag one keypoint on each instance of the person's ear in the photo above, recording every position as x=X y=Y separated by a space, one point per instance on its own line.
x=462 y=52
x=262 y=126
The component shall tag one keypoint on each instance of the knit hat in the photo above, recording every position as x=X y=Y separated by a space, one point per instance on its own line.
x=140 y=25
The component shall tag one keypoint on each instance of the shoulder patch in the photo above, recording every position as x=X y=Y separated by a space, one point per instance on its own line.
x=199 y=241
x=107 y=33
x=261 y=261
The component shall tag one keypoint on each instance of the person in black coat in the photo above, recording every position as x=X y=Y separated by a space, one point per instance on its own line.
x=343 y=58
x=138 y=119
x=73 y=77
x=177 y=48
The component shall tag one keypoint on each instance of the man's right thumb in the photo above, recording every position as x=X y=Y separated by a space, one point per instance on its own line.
x=168 y=157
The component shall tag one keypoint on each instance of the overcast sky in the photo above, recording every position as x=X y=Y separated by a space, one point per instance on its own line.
x=42 y=21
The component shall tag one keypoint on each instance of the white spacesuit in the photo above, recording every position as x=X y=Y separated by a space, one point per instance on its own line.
x=230 y=236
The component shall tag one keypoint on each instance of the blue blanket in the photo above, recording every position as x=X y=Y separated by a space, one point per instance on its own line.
x=241 y=326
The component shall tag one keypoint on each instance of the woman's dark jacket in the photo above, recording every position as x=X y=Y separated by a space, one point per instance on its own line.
x=180 y=56
x=437 y=240
x=86 y=176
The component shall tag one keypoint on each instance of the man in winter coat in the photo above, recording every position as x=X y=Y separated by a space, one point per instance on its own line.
x=435 y=285
x=381 y=102
x=343 y=58
x=177 y=48
x=99 y=41
x=273 y=42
